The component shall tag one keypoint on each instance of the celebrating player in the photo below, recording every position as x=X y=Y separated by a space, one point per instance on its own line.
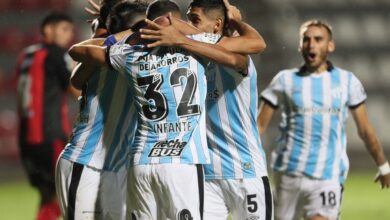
x=91 y=173
x=170 y=141
x=237 y=180
x=310 y=160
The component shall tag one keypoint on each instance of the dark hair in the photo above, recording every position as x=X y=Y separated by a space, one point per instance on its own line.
x=105 y=8
x=161 y=7
x=125 y=15
x=53 y=18
x=210 y=5
x=316 y=23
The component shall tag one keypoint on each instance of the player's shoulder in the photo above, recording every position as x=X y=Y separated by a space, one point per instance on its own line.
x=344 y=73
x=32 y=48
x=286 y=73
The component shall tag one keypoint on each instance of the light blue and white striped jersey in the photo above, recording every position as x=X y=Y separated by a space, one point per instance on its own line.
x=170 y=93
x=106 y=123
x=232 y=135
x=314 y=113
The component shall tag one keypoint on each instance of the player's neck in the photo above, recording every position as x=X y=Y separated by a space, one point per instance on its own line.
x=317 y=69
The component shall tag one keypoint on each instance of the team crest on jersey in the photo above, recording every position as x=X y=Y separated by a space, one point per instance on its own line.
x=337 y=92
x=167 y=148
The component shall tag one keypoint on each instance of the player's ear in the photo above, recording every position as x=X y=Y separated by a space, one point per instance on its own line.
x=218 y=26
x=47 y=31
x=331 y=46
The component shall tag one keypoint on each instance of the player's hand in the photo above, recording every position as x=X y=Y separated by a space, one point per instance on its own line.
x=233 y=13
x=384 y=180
x=233 y=17
x=162 y=34
x=94 y=11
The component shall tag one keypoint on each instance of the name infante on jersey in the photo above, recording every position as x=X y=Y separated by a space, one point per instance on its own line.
x=168 y=148
x=170 y=89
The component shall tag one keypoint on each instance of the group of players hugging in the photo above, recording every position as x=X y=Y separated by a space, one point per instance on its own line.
x=169 y=122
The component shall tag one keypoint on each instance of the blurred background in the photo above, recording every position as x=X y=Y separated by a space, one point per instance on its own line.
x=361 y=32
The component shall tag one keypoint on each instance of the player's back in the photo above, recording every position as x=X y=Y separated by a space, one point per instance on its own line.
x=232 y=135
x=170 y=90
x=106 y=122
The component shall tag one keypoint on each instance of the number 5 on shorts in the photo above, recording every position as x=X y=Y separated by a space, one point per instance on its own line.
x=251 y=203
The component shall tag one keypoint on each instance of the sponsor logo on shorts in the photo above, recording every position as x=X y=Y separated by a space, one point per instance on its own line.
x=185 y=214
x=167 y=148
x=252 y=217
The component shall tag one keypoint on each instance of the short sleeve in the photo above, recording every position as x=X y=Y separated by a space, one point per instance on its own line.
x=117 y=55
x=356 y=92
x=206 y=37
x=271 y=93
x=110 y=40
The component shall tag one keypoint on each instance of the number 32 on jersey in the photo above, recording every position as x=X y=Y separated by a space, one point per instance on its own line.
x=157 y=107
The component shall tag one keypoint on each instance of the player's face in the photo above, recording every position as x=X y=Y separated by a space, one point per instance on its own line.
x=62 y=33
x=200 y=20
x=315 y=45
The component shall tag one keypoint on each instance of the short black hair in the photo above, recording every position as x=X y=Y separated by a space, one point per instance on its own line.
x=105 y=8
x=210 y=5
x=125 y=15
x=53 y=18
x=161 y=7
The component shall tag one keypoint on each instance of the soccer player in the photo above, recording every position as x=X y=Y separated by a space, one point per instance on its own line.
x=43 y=82
x=236 y=179
x=170 y=141
x=310 y=161
x=91 y=172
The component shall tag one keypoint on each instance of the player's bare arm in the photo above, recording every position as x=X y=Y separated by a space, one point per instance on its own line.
x=89 y=51
x=92 y=50
x=249 y=40
x=265 y=114
x=170 y=36
x=367 y=134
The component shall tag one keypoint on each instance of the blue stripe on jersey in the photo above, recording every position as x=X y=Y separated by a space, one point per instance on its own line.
x=316 y=128
x=186 y=150
x=299 y=120
x=167 y=90
x=334 y=121
x=145 y=152
x=229 y=84
x=117 y=137
x=80 y=127
x=282 y=140
x=102 y=113
x=253 y=109
x=90 y=93
x=202 y=86
x=221 y=142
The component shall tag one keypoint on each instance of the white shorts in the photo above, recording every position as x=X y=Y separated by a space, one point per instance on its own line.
x=165 y=191
x=88 y=193
x=243 y=198
x=297 y=197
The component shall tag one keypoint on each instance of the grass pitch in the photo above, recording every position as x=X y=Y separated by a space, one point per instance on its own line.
x=363 y=200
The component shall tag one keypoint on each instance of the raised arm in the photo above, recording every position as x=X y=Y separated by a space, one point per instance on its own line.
x=249 y=40
x=170 y=36
x=90 y=51
x=367 y=134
